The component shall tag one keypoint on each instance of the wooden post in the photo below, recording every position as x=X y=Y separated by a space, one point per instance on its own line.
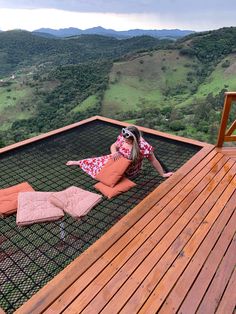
x=229 y=97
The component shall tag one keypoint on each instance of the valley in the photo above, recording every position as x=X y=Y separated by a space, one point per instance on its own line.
x=172 y=86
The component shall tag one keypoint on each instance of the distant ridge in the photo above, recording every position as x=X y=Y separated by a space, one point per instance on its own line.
x=71 y=31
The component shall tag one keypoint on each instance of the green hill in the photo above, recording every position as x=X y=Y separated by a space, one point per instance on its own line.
x=150 y=80
x=177 y=87
x=21 y=48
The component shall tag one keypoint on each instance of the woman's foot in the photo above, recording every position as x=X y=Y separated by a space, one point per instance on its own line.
x=72 y=163
x=168 y=174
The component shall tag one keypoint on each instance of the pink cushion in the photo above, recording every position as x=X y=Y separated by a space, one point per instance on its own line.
x=122 y=186
x=75 y=201
x=113 y=171
x=9 y=197
x=35 y=207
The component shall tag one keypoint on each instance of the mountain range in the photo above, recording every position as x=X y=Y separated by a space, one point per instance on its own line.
x=71 y=31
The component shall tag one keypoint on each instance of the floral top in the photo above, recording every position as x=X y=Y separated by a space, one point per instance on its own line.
x=93 y=166
x=146 y=151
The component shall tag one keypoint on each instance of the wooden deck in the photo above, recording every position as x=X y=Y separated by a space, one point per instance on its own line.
x=173 y=253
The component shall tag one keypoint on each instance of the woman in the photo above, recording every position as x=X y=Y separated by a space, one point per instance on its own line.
x=129 y=144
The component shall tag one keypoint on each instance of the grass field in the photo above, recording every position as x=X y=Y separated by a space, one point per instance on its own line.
x=161 y=78
x=15 y=103
x=219 y=79
x=151 y=80
x=89 y=102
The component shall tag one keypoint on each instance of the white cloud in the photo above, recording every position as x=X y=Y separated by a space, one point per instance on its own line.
x=53 y=18
x=31 y=19
x=127 y=6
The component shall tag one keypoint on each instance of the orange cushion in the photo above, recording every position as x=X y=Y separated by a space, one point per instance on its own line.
x=122 y=186
x=113 y=171
x=9 y=197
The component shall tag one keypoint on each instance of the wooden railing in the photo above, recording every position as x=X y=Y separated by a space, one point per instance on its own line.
x=224 y=134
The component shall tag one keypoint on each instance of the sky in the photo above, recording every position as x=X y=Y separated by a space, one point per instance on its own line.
x=200 y=15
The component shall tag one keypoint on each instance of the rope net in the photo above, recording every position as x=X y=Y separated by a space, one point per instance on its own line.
x=31 y=256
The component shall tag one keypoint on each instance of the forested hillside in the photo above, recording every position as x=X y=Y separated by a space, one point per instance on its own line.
x=179 y=89
x=176 y=87
x=21 y=48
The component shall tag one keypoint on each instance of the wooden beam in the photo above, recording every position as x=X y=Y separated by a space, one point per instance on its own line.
x=231 y=129
x=100 y=118
x=224 y=120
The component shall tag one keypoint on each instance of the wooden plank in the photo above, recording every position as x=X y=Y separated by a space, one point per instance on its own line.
x=151 y=219
x=164 y=287
x=231 y=128
x=50 y=292
x=46 y=135
x=116 y=122
x=158 y=133
x=157 y=235
x=231 y=138
x=147 y=225
x=228 y=303
x=224 y=120
x=157 y=262
x=101 y=279
x=193 y=300
x=214 y=293
x=179 y=292
x=233 y=94
x=132 y=262
x=226 y=150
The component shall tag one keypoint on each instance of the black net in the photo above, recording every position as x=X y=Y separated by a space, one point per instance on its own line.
x=31 y=256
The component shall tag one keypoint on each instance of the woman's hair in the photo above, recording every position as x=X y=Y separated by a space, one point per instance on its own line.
x=135 y=152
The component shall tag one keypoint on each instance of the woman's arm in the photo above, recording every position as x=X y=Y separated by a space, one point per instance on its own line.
x=113 y=148
x=158 y=166
x=114 y=151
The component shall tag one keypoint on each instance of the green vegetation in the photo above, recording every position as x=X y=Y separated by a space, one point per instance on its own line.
x=21 y=48
x=176 y=87
x=88 y=103
x=155 y=81
x=190 y=85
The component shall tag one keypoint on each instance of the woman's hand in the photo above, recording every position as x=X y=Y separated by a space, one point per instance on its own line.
x=167 y=174
x=116 y=155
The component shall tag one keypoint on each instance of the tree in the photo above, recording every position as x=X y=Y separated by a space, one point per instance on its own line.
x=177 y=125
x=2 y=144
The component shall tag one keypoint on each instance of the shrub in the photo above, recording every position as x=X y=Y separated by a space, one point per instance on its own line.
x=177 y=125
x=187 y=52
x=225 y=64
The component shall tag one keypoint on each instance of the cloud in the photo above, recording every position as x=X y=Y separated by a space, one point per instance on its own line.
x=53 y=18
x=125 y=6
x=117 y=14
x=111 y=6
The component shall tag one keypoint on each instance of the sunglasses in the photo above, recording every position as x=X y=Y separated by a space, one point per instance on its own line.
x=127 y=133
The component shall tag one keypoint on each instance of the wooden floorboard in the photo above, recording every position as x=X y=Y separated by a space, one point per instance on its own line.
x=187 y=279
x=174 y=252
x=146 y=234
x=227 y=304
x=221 y=276
x=161 y=260
x=163 y=236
